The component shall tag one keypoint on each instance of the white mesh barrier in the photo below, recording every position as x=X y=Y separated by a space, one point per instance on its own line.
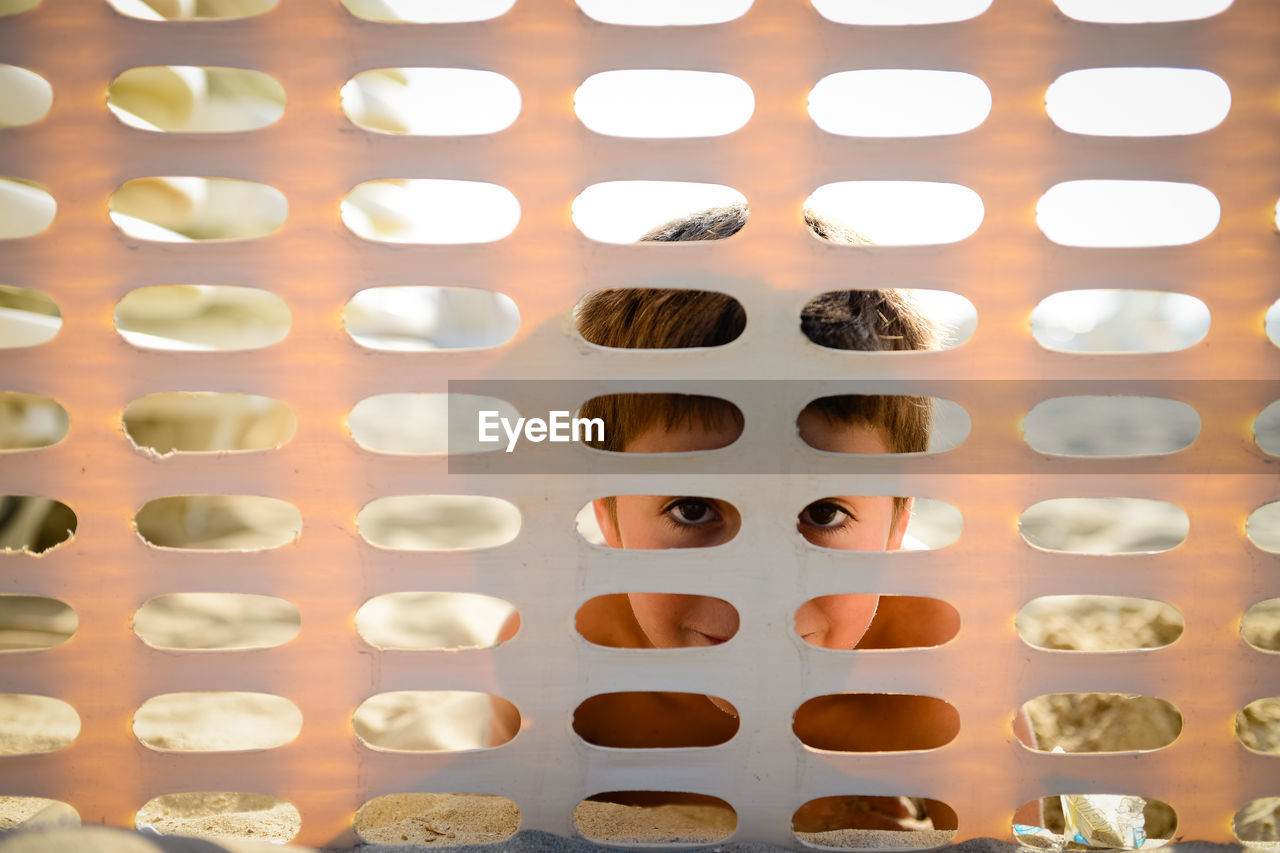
x=314 y=156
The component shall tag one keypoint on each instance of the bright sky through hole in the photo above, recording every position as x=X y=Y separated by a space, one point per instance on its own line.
x=661 y=103
x=656 y=103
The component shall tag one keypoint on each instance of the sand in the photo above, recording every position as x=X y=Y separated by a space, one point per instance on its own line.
x=35 y=813
x=101 y=839
x=108 y=840
x=447 y=820
x=222 y=816
x=610 y=822
x=440 y=820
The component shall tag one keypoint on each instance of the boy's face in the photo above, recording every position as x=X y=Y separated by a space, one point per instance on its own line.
x=842 y=522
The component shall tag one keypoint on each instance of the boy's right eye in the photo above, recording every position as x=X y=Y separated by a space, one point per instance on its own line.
x=692 y=512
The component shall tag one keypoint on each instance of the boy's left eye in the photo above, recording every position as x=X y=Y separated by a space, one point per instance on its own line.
x=824 y=514
x=692 y=511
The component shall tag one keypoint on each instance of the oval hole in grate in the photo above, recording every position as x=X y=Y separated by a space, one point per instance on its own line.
x=19 y=813
x=1260 y=626
x=224 y=721
x=934 y=524
x=704 y=423
x=857 y=822
x=894 y=213
x=33 y=525
x=663 y=103
x=900 y=622
x=436 y=621
x=1097 y=623
x=856 y=722
x=220 y=815
x=216 y=621
x=1271 y=322
x=1266 y=429
x=423 y=319
x=1138 y=101
x=195 y=99
x=841 y=424
x=29 y=421
x=207 y=422
x=640 y=211
x=1157 y=824
x=232 y=523
x=33 y=622
x=1263 y=527
x=1119 y=321
x=1257 y=822
x=26 y=208
x=197 y=210
x=654 y=818
x=430 y=211
x=697 y=620
x=680 y=319
x=1139 y=11
x=663 y=13
x=27 y=317
x=1256 y=726
x=25 y=96
x=14 y=7
x=860 y=523
x=1110 y=426
x=900 y=12
x=1101 y=723
x=430 y=101
x=425 y=423
x=435 y=721
x=1127 y=214
x=656 y=522
x=427 y=11
x=651 y=720
x=1104 y=525
x=191 y=10
x=887 y=102
x=32 y=724
x=834 y=320
x=202 y=318
x=431 y=819
x=438 y=522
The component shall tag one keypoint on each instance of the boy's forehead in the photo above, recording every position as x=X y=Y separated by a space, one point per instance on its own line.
x=815 y=428
x=683 y=438
x=821 y=433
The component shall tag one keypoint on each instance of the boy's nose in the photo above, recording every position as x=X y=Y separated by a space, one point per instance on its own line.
x=810 y=620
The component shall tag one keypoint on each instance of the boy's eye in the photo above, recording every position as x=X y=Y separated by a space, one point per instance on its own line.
x=823 y=514
x=692 y=511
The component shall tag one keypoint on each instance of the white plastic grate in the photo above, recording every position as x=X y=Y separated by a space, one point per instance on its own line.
x=314 y=156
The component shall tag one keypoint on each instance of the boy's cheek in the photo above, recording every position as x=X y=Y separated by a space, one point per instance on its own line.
x=836 y=621
x=606 y=513
x=658 y=617
x=672 y=620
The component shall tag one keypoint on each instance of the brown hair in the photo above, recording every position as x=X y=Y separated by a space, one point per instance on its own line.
x=651 y=318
